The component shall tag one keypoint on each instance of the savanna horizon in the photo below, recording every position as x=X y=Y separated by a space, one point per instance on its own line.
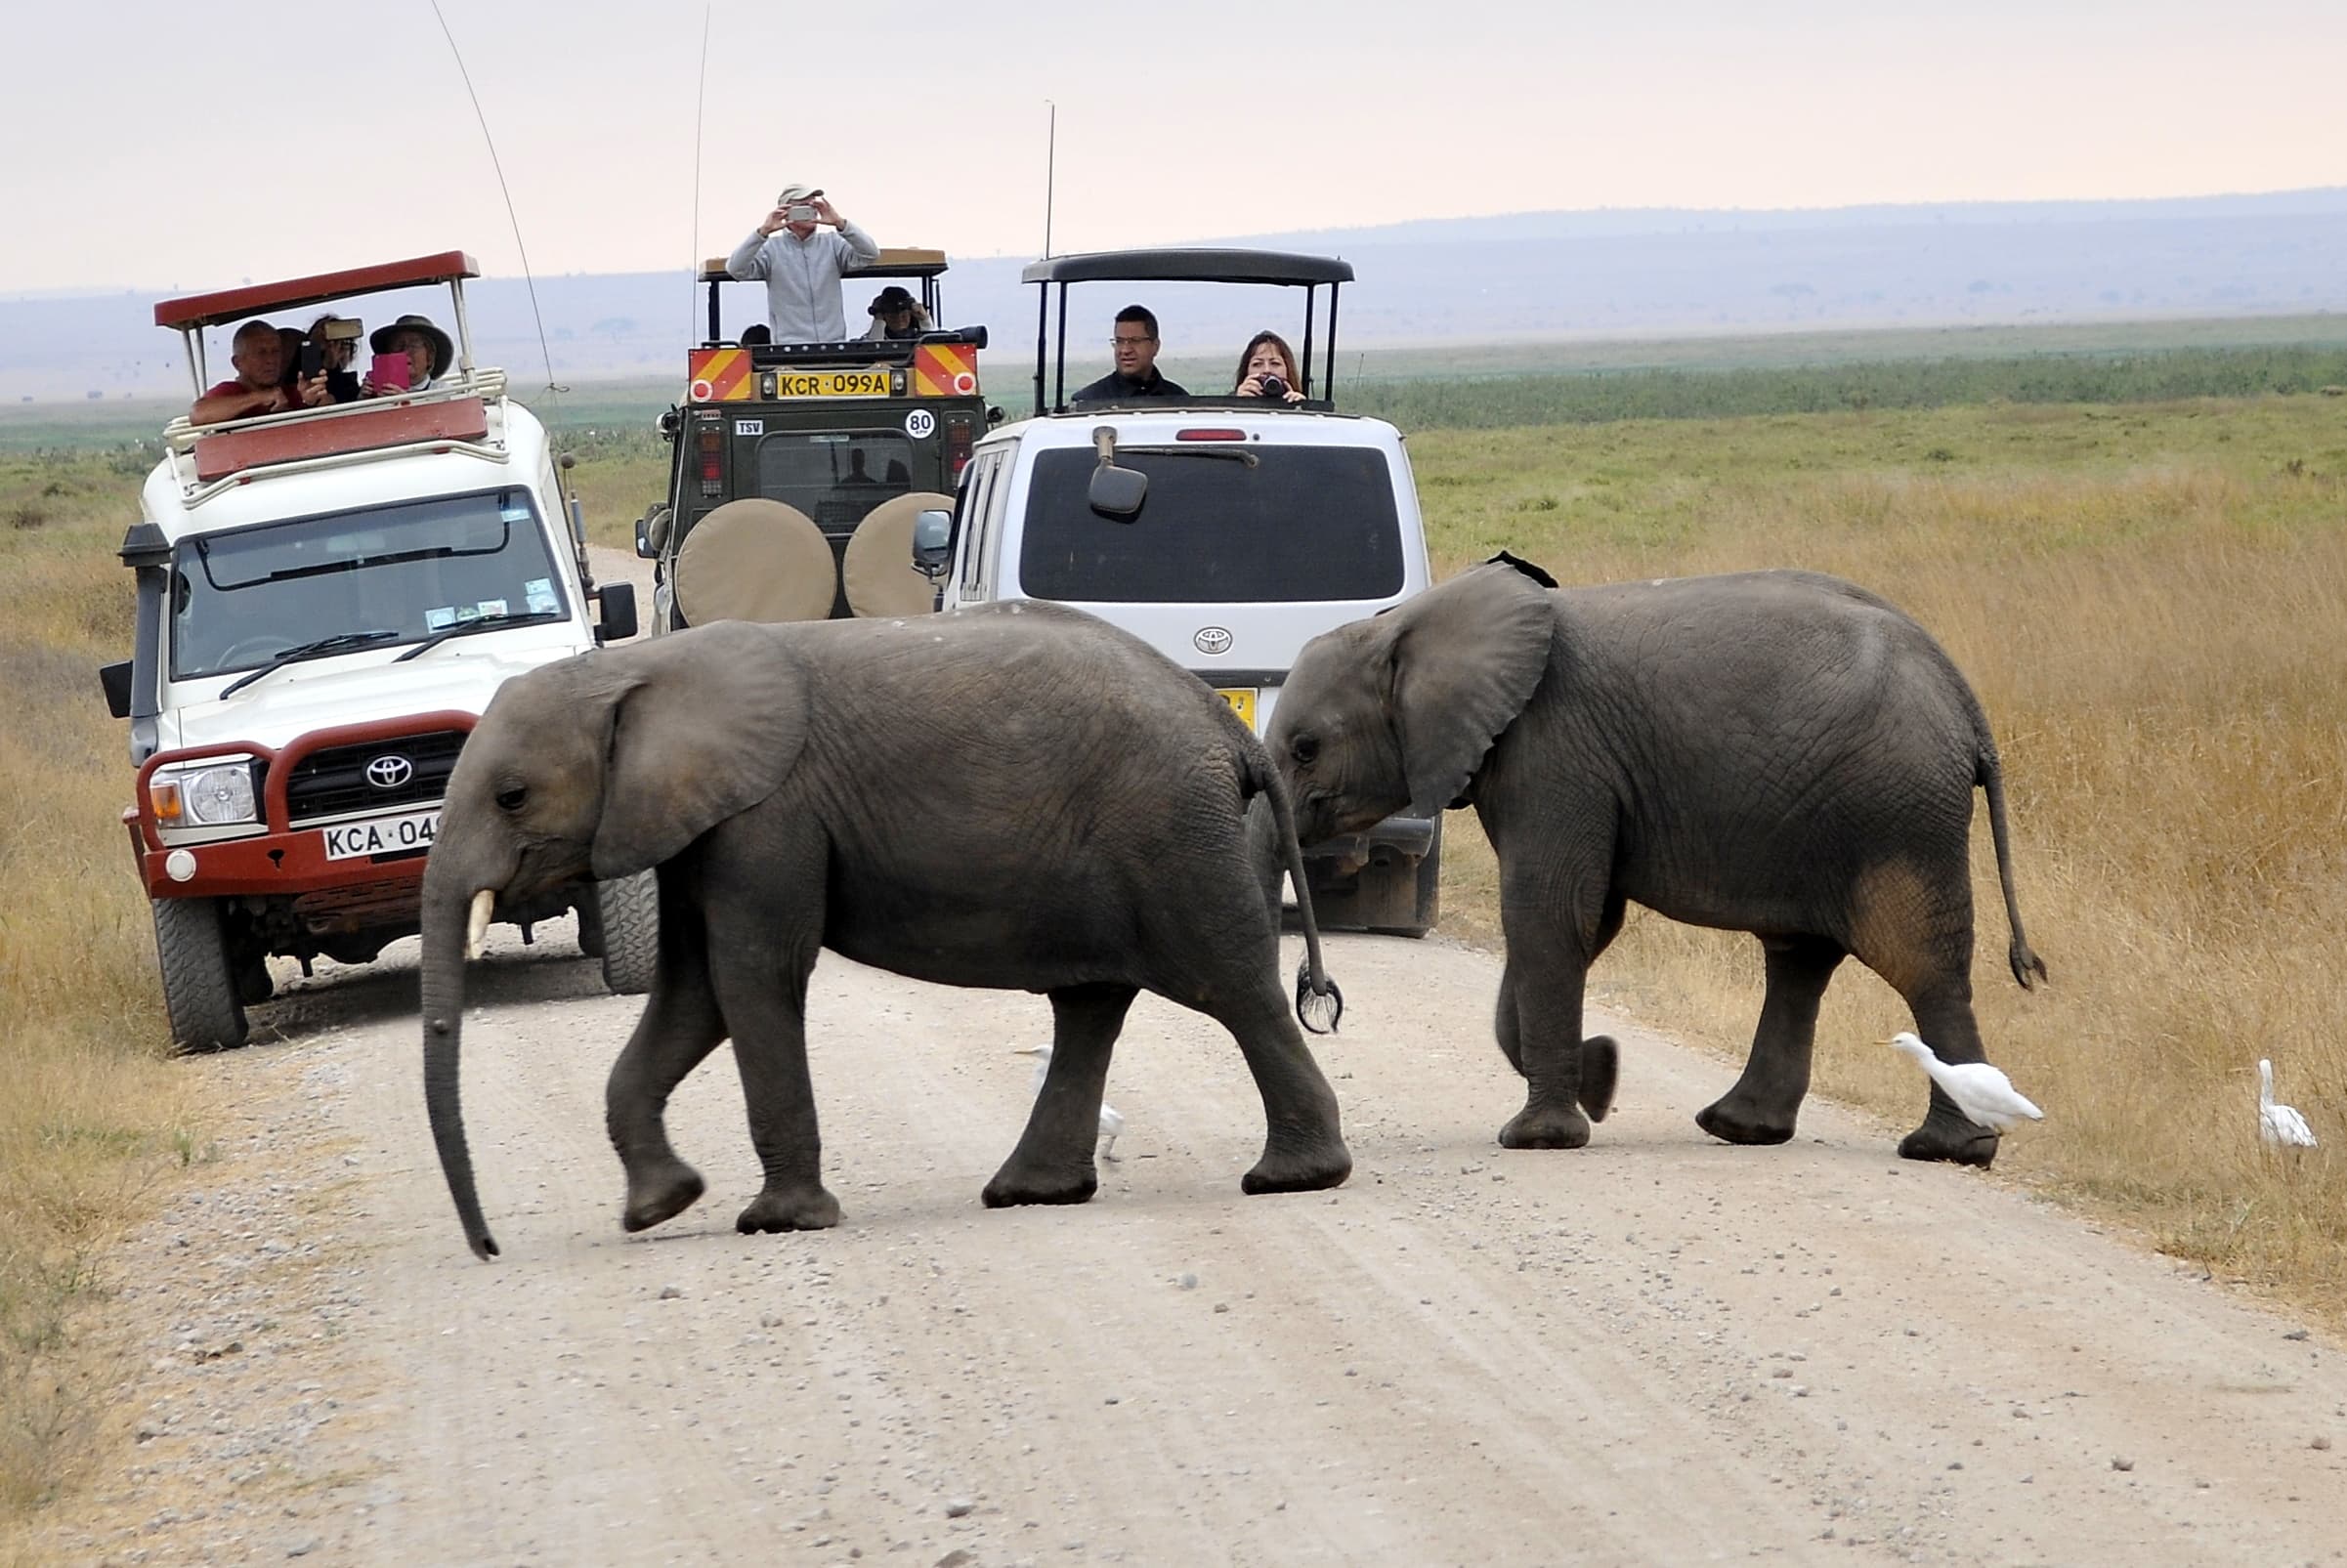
x=2144 y=596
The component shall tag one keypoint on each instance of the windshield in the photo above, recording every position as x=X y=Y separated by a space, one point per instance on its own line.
x=240 y=600
x=836 y=477
x=1297 y=522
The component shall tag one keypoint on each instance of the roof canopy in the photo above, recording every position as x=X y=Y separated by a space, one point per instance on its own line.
x=899 y=261
x=235 y=304
x=1195 y=266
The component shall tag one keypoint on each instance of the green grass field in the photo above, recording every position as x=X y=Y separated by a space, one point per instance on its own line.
x=2147 y=596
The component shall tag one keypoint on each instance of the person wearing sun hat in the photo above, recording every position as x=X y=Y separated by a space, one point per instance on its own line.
x=802 y=266
x=896 y=313
x=429 y=351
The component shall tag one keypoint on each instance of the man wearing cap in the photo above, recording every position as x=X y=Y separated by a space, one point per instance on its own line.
x=896 y=313
x=258 y=354
x=429 y=352
x=802 y=266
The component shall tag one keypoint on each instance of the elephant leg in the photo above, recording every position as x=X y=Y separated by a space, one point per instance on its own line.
x=1304 y=1138
x=1539 y=1013
x=680 y=1026
x=1944 y=1018
x=1053 y=1161
x=766 y=1000
x=1766 y=1101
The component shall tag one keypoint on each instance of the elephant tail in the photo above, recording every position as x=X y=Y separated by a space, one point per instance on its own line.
x=1989 y=774
x=1316 y=994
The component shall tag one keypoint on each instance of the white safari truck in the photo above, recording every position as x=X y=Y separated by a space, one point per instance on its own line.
x=1227 y=531
x=327 y=598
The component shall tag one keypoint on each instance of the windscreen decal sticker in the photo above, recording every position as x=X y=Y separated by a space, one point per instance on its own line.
x=439 y=619
x=514 y=514
x=538 y=594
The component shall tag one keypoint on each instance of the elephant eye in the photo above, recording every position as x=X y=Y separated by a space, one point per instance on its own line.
x=512 y=797
x=1306 y=748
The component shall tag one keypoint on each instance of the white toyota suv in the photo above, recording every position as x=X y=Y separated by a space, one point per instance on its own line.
x=1227 y=532
x=327 y=598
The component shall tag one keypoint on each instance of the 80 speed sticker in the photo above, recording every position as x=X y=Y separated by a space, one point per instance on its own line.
x=920 y=424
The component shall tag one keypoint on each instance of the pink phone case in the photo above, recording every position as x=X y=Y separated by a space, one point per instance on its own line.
x=390 y=370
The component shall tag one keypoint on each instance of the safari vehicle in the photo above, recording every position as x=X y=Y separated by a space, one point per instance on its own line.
x=799 y=467
x=327 y=598
x=1227 y=532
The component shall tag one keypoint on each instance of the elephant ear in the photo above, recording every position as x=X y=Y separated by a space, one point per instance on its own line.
x=709 y=723
x=1468 y=656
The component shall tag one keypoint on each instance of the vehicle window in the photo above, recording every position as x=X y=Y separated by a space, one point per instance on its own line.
x=1221 y=525
x=836 y=477
x=240 y=599
x=981 y=505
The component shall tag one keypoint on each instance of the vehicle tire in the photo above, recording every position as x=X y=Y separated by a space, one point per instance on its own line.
x=629 y=911
x=199 y=988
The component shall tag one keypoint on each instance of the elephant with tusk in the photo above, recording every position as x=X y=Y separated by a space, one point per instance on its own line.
x=1778 y=752
x=1017 y=796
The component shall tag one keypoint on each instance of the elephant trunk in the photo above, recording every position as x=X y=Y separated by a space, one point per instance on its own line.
x=452 y=928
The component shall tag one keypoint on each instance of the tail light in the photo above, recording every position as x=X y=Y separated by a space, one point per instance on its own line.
x=956 y=447
x=1210 y=435
x=712 y=460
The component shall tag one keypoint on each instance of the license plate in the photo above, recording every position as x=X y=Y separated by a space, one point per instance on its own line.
x=1241 y=699
x=831 y=384
x=385 y=835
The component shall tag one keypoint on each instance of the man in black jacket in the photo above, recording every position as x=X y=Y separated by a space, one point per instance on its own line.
x=1136 y=377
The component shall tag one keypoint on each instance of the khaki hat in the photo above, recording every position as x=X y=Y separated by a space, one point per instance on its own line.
x=798 y=193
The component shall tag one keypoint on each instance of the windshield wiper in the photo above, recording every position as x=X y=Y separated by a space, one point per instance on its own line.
x=342 y=642
x=1231 y=454
x=465 y=629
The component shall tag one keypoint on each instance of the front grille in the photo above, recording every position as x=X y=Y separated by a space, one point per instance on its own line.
x=332 y=781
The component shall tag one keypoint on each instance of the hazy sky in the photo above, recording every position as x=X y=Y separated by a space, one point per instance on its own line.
x=169 y=146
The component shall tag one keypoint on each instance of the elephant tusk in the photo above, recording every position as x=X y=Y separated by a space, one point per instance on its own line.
x=476 y=925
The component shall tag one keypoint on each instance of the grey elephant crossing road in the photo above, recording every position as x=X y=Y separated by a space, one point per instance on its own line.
x=1778 y=752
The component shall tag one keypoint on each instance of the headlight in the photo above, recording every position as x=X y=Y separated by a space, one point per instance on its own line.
x=204 y=796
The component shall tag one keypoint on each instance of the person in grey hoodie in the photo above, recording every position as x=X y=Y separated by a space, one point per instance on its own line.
x=803 y=265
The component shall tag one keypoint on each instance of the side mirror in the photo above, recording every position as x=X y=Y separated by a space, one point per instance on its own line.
x=618 y=622
x=115 y=678
x=1116 y=492
x=652 y=532
x=932 y=543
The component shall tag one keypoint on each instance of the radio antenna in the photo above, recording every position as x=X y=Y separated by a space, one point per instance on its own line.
x=507 y=191
x=1051 y=157
x=693 y=251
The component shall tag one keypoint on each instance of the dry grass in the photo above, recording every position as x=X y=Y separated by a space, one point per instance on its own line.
x=92 y=1115
x=2150 y=606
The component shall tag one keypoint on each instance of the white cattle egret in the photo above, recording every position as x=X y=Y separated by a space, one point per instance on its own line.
x=2281 y=1125
x=1112 y=1121
x=1985 y=1096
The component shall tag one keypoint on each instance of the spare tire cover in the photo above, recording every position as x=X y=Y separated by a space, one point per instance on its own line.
x=879 y=571
x=755 y=559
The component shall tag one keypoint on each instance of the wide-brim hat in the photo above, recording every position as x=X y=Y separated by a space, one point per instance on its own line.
x=891 y=298
x=443 y=351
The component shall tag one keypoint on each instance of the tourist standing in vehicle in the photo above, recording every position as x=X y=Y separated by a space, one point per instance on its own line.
x=337 y=339
x=259 y=357
x=1267 y=369
x=429 y=351
x=802 y=266
x=896 y=313
x=1136 y=377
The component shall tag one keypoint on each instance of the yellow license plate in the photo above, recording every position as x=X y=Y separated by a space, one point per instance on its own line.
x=1241 y=699
x=831 y=384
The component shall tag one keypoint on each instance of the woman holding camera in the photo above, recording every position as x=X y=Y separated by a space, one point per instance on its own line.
x=1267 y=369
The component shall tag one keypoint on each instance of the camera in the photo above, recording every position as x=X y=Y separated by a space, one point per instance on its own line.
x=801 y=212
x=1275 y=389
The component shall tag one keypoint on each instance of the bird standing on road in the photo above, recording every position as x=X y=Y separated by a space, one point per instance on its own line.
x=1112 y=1121
x=2280 y=1126
x=1985 y=1096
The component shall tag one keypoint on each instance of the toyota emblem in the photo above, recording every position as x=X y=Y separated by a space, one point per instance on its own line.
x=390 y=771
x=1212 y=640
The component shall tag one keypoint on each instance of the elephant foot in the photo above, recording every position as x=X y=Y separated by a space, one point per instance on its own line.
x=1546 y=1126
x=1601 y=1067
x=1952 y=1139
x=1017 y=1184
x=662 y=1193
x=1734 y=1118
x=807 y=1208
x=1311 y=1169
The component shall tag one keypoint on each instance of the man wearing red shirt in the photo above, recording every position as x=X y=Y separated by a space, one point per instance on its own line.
x=259 y=355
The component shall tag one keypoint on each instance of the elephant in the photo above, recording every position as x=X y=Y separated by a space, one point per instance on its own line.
x=1013 y=796
x=1779 y=752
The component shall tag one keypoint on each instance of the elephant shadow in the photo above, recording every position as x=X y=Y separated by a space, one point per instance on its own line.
x=389 y=990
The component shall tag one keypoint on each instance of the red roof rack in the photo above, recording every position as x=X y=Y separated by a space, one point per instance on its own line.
x=235 y=304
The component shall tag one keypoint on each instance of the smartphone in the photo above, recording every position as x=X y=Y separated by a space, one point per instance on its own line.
x=391 y=371
x=313 y=359
x=800 y=212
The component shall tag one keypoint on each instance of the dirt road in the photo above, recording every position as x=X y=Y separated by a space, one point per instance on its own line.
x=1657 y=1349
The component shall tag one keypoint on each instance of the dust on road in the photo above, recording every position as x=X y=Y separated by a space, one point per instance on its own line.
x=1656 y=1350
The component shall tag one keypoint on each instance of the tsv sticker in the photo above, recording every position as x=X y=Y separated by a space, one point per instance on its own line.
x=750 y=427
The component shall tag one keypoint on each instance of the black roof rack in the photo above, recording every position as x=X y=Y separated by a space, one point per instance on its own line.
x=1196 y=264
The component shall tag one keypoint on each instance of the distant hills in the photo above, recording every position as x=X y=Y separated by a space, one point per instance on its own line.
x=1615 y=273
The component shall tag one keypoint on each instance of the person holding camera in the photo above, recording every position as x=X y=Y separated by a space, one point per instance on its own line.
x=1267 y=369
x=332 y=347
x=258 y=354
x=802 y=266
x=896 y=315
